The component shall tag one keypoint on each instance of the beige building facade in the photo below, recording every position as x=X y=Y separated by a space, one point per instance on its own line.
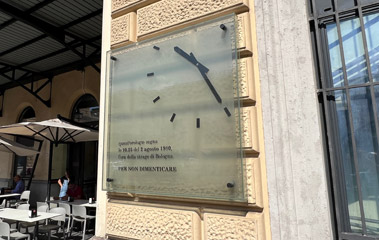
x=276 y=158
x=284 y=162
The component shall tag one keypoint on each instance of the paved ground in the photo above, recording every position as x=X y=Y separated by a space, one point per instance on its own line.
x=76 y=235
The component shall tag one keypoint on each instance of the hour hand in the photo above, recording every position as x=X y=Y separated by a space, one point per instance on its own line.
x=191 y=58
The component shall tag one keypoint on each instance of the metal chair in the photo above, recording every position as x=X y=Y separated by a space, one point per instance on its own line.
x=5 y=231
x=24 y=199
x=2 y=205
x=79 y=214
x=68 y=214
x=23 y=206
x=60 y=219
x=25 y=196
x=39 y=204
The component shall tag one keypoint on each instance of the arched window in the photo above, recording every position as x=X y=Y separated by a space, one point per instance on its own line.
x=82 y=162
x=86 y=111
x=28 y=115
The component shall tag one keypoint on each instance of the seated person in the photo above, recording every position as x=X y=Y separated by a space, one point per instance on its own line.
x=74 y=191
x=20 y=186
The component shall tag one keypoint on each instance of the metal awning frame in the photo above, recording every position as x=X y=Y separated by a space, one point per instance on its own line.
x=21 y=75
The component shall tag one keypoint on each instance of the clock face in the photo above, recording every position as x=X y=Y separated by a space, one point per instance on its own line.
x=172 y=115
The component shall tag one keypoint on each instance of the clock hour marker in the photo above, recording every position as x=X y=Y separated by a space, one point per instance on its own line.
x=156 y=99
x=172 y=117
x=223 y=27
x=150 y=74
x=113 y=58
x=156 y=48
x=198 y=122
x=227 y=111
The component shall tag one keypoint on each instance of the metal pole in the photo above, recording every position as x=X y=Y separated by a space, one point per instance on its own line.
x=35 y=164
x=49 y=172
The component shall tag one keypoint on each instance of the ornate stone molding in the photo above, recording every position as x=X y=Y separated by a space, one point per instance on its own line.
x=167 y=13
x=150 y=223
x=123 y=29
x=220 y=227
x=246 y=79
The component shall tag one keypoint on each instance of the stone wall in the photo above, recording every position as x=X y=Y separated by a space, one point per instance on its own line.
x=296 y=174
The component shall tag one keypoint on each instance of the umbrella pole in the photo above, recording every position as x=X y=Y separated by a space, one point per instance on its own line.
x=34 y=164
x=50 y=169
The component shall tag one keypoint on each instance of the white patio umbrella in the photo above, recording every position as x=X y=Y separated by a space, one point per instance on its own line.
x=10 y=146
x=57 y=130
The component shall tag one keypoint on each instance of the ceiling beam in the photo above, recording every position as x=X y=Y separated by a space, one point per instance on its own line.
x=24 y=44
x=29 y=11
x=34 y=22
x=52 y=31
x=73 y=44
x=9 y=67
x=84 y=18
x=46 y=102
x=52 y=72
x=68 y=25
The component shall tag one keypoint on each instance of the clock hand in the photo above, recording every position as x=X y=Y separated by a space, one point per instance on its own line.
x=213 y=90
x=203 y=70
x=191 y=58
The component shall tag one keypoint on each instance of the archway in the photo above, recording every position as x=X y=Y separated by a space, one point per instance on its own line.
x=82 y=163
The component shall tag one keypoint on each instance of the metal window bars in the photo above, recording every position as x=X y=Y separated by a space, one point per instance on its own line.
x=321 y=13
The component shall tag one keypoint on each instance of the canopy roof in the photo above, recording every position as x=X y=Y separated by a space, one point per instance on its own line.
x=42 y=38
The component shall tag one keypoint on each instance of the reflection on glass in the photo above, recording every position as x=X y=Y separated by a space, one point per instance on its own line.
x=367 y=154
x=348 y=161
x=355 y=59
x=335 y=55
x=372 y=32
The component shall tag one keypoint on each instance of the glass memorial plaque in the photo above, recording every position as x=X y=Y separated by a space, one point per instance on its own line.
x=172 y=116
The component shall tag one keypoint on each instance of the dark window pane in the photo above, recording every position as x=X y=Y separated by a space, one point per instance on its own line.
x=355 y=58
x=367 y=154
x=335 y=55
x=372 y=37
x=345 y=142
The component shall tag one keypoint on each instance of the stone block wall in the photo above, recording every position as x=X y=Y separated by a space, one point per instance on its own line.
x=136 y=20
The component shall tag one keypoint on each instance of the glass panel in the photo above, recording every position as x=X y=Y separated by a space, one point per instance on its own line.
x=171 y=117
x=348 y=161
x=367 y=154
x=372 y=32
x=335 y=55
x=355 y=60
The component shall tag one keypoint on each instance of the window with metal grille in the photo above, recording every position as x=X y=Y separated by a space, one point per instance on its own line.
x=345 y=36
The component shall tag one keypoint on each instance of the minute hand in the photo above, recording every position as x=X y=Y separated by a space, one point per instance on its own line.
x=213 y=90
x=191 y=58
